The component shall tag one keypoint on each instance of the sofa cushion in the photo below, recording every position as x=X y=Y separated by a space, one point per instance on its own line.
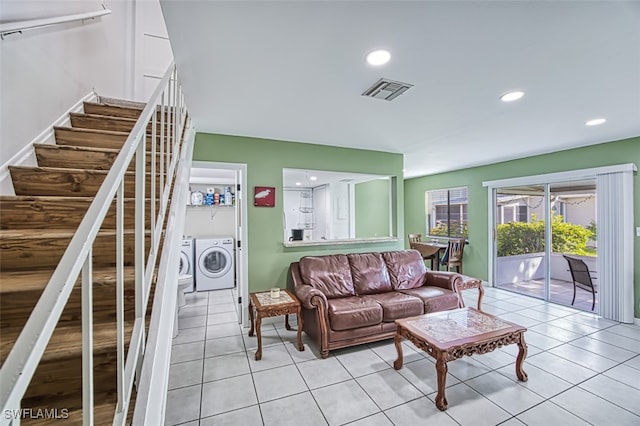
x=435 y=298
x=397 y=305
x=369 y=273
x=353 y=312
x=329 y=274
x=406 y=268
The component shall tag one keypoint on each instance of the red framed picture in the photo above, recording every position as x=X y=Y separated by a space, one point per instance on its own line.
x=264 y=196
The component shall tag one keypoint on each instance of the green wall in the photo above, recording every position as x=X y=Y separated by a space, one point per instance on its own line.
x=372 y=222
x=265 y=159
x=476 y=257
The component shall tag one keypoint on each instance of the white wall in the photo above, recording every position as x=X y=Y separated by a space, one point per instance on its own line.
x=204 y=221
x=321 y=203
x=581 y=212
x=153 y=50
x=44 y=72
x=339 y=210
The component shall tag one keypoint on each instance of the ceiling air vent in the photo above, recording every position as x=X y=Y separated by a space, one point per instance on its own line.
x=387 y=89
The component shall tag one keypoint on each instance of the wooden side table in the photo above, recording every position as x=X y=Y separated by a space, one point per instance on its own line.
x=265 y=306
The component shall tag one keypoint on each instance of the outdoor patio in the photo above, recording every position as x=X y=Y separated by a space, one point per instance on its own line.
x=561 y=292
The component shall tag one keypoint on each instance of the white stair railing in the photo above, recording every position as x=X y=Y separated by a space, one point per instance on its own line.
x=21 y=363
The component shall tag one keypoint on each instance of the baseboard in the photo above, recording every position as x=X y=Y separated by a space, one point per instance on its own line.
x=26 y=156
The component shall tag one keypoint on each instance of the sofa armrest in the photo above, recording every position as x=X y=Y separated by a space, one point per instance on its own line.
x=309 y=297
x=443 y=279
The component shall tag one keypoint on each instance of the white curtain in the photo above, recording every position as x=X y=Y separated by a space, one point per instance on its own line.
x=615 y=245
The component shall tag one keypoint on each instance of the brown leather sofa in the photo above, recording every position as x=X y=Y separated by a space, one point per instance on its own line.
x=350 y=299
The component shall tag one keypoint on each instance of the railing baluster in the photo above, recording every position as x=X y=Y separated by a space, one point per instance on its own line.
x=153 y=181
x=163 y=152
x=169 y=133
x=175 y=115
x=120 y=296
x=139 y=231
x=87 y=341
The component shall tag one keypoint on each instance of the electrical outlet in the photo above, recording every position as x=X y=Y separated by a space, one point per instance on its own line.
x=637 y=231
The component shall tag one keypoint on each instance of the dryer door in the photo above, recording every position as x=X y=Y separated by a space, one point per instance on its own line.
x=214 y=262
x=184 y=264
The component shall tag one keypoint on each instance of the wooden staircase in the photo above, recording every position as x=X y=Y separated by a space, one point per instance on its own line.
x=36 y=226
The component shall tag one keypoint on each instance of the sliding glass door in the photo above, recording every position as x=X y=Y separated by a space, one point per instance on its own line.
x=520 y=239
x=542 y=232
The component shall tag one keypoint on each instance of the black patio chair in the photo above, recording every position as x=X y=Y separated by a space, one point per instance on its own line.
x=582 y=278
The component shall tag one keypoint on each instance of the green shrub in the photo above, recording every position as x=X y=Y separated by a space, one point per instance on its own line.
x=457 y=230
x=521 y=238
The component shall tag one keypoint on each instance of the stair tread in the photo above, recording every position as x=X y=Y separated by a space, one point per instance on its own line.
x=67 y=170
x=34 y=280
x=110 y=117
x=27 y=198
x=66 y=341
x=121 y=102
x=81 y=148
x=96 y=131
x=29 y=234
x=74 y=148
x=113 y=106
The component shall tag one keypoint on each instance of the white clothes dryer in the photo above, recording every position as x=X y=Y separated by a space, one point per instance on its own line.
x=214 y=263
x=186 y=262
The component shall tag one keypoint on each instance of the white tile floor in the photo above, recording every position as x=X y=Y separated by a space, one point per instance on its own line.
x=582 y=370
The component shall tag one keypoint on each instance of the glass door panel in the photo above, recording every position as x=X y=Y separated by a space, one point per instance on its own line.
x=520 y=240
x=573 y=227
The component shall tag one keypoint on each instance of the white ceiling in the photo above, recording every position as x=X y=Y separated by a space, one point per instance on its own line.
x=292 y=178
x=296 y=70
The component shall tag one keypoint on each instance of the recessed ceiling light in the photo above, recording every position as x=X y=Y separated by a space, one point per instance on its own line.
x=511 y=96
x=378 y=57
x=298 y=183
x=596 y=122
x=313 y=178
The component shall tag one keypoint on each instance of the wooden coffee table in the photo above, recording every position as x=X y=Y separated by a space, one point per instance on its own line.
x=266 y=306
x=450 y=335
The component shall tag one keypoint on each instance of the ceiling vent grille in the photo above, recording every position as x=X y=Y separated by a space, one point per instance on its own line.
x=387 y=89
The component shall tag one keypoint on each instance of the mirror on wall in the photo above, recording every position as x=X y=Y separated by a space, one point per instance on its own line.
x=323 y=206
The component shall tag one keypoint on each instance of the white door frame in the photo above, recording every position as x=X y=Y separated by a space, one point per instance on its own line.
x=242 y=259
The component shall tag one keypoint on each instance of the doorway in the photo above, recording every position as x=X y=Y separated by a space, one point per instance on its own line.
x=229 y=218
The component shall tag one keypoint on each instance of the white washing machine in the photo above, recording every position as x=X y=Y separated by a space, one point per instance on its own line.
x=214 y=263
x=186 y=262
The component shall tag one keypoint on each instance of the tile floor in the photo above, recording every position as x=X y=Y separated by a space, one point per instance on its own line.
x=582 y=370
x=561 y=293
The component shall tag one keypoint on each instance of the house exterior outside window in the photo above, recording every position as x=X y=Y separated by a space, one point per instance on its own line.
x=447 y=212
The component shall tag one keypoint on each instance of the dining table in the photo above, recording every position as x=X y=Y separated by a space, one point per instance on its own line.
x=431 y=251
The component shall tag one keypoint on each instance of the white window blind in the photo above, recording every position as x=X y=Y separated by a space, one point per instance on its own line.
x=615 y=245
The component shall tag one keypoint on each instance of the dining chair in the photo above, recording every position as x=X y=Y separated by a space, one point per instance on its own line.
x=453 y=254
x=415 y=238
x=581 y=277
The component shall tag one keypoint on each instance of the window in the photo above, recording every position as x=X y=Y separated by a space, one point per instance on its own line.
x=446 y=212
x=512 y=213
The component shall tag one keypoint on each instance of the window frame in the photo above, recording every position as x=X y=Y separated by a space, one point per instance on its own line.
x=431 y=218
